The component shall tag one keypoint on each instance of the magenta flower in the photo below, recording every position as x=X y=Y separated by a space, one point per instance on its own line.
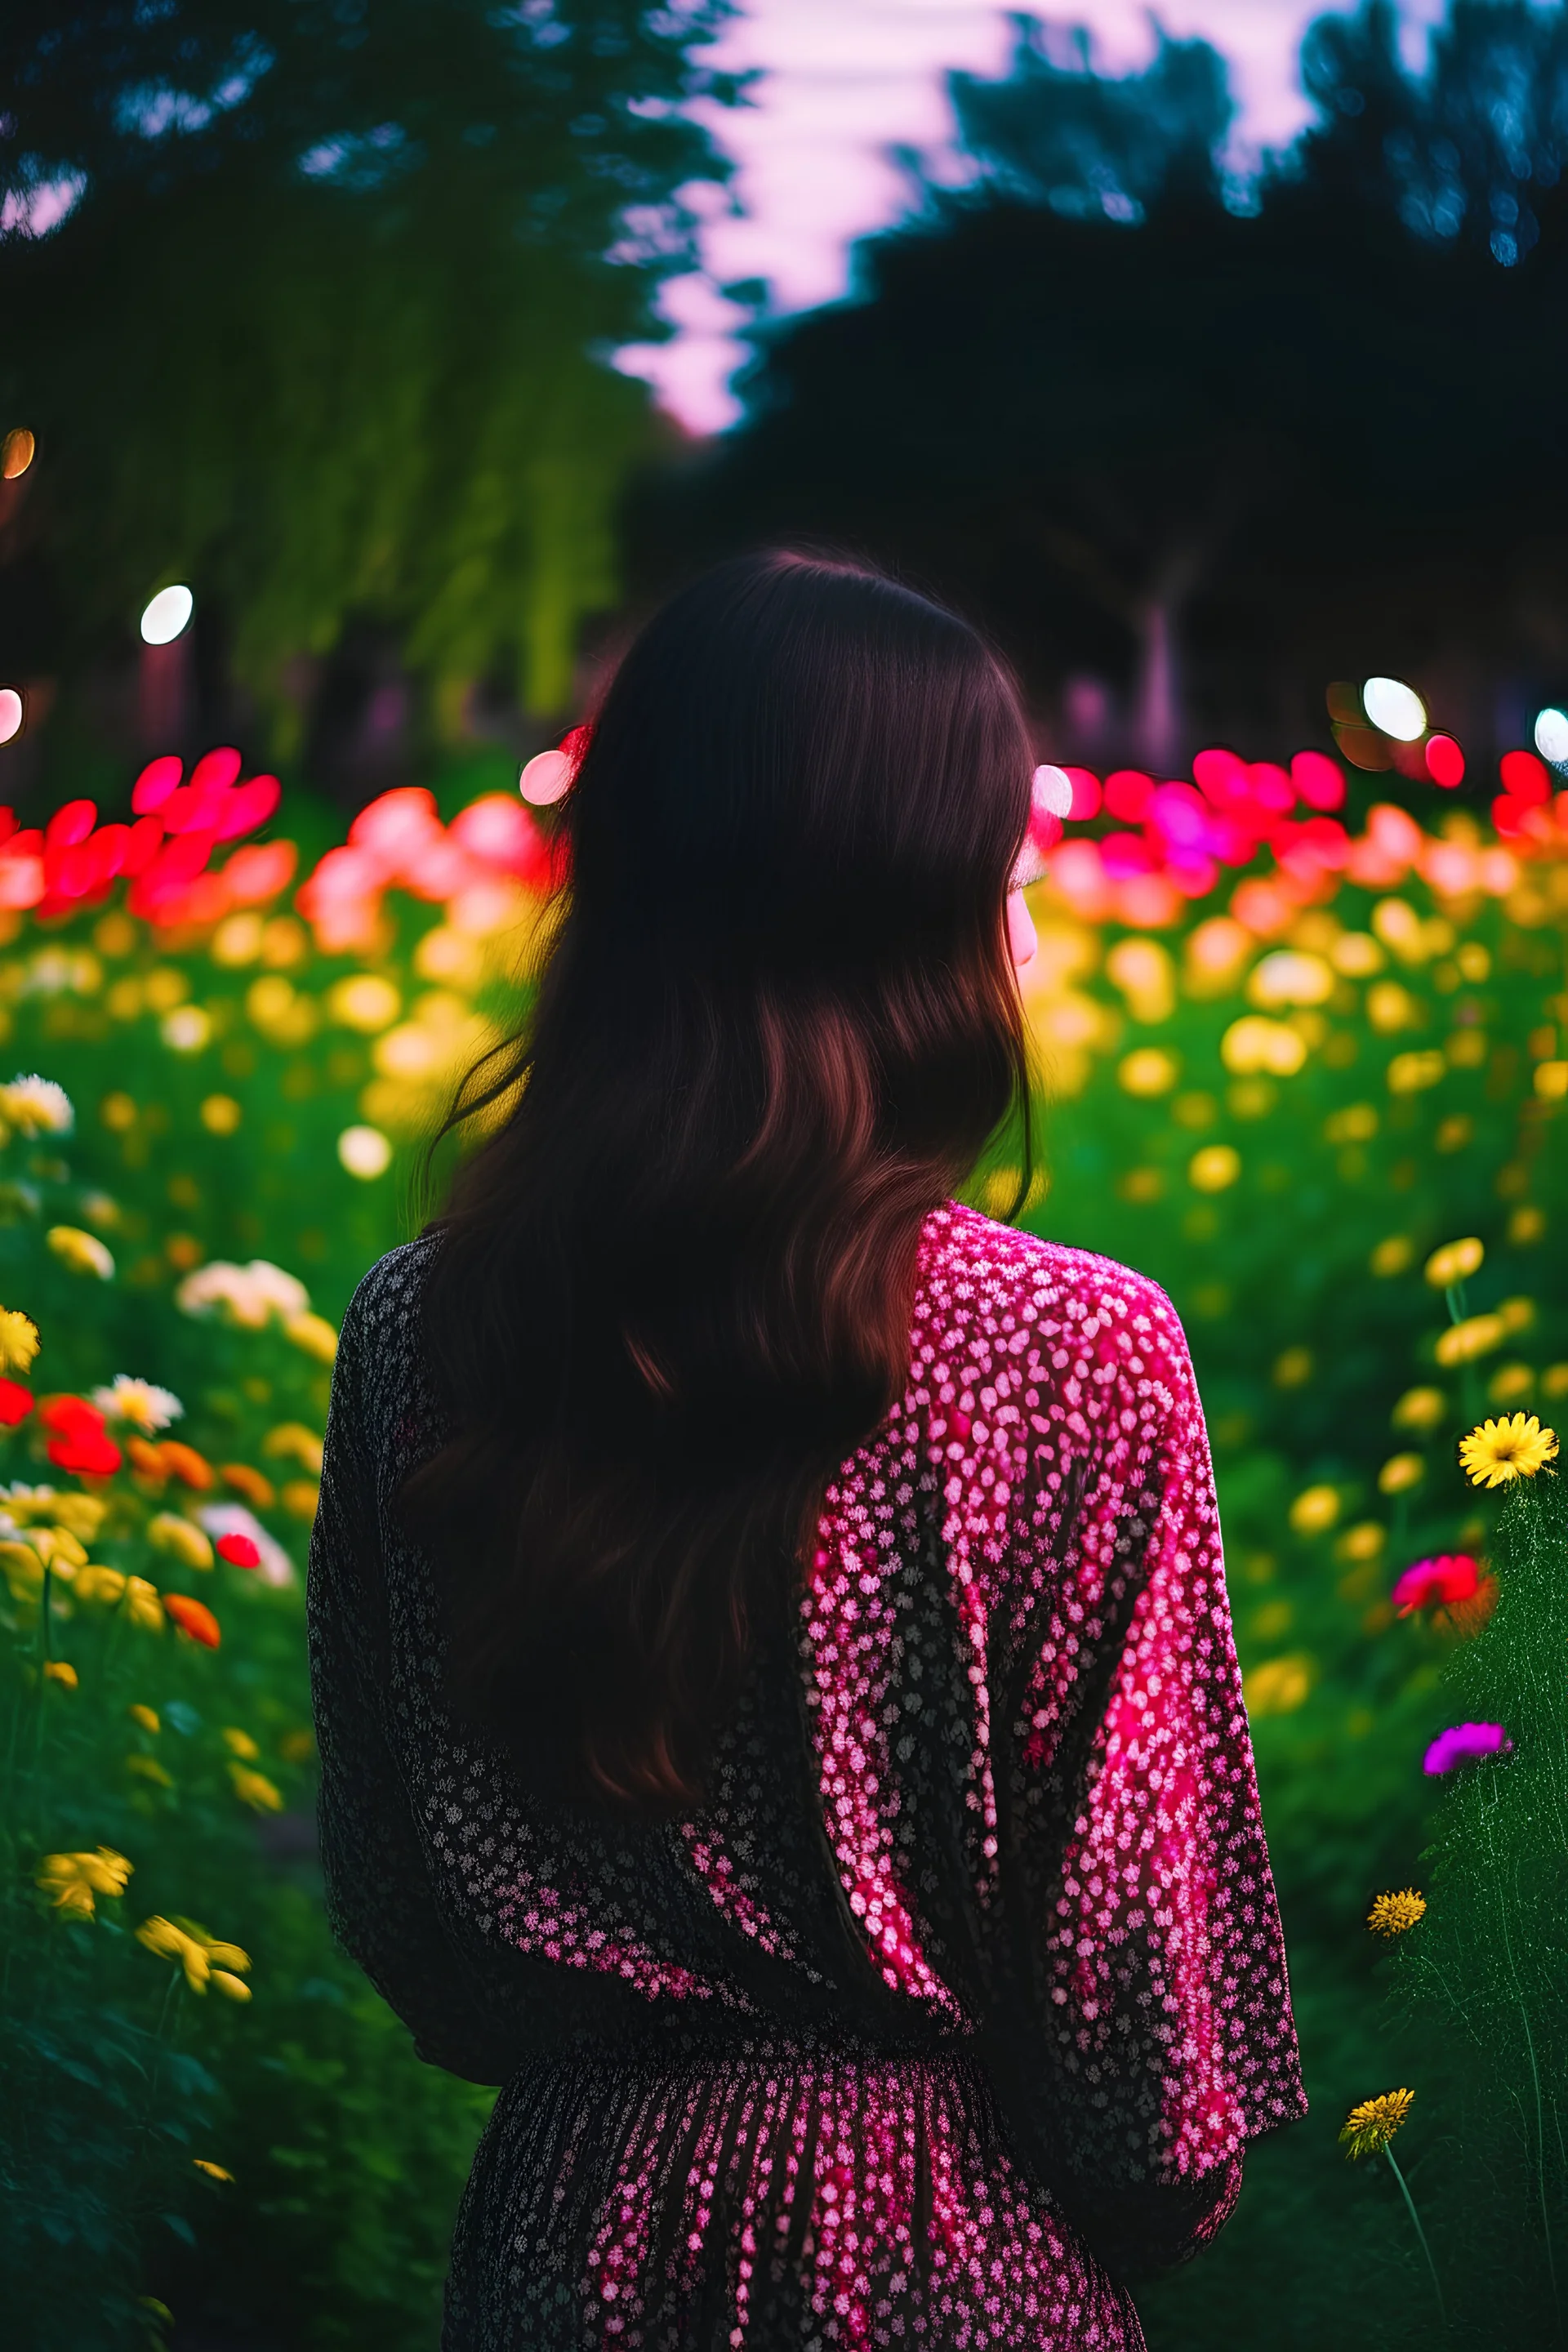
x=1465 y=1743
x=1436 y=1583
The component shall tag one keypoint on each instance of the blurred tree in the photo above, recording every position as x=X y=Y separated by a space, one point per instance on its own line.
x=324 y=328
x=1055 y=133
x=1113 y=401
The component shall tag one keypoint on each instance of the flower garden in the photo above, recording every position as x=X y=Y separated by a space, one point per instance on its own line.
x=1304 y=1062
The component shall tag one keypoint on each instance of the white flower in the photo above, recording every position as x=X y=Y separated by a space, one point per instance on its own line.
x=37 y=1106
x=248 y=1295
x=145 y=1406
x=234 y=1519
x=365 y=1151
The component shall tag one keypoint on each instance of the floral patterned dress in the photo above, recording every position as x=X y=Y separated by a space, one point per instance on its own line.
x=957 y=2005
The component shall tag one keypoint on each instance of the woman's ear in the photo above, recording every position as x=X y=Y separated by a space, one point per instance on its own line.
x=1022 y=937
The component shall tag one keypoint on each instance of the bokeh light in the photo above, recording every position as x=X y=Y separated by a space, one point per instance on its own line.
x=16 y=453
x=365 y=1151
x=12 y=711
x=1394 y=708
x=1552 y=735
x=1445 y=762
x=166 y=616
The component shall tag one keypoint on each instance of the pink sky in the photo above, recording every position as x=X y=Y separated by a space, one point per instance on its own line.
x=842 y=80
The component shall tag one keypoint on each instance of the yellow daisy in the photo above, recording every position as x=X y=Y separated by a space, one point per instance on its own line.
x=1392 y=1914
x=1514 y=1447
x=1367 y=2129
x=19 y=1341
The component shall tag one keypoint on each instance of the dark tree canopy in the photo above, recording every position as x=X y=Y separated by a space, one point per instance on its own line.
x=324 y=330
x=1313 y=436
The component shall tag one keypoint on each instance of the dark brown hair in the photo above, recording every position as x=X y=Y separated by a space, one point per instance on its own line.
x=777 y=1025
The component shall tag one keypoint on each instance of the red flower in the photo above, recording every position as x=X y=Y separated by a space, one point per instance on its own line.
x=15 y=1402
x=69 y=1413
x=82 y=1448
x=238 y=1551
x=1436 y=1583
x=193 y=1617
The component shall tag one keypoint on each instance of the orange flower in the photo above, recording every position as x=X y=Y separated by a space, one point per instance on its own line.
x=171 y=1458
x=183 y=1461
x=258 y=1491
x=193 y=1617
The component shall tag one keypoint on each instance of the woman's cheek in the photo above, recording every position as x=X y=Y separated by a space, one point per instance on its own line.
x=1021 y=934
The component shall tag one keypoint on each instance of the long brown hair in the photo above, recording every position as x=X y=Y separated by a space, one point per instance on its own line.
x=777 y=1025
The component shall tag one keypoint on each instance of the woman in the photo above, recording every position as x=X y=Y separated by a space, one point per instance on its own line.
x=777 y=1706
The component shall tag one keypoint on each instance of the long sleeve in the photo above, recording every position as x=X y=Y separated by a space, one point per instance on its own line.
x=381 y=1901
x=1156 y=1960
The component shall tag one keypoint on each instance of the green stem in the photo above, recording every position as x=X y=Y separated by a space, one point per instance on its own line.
x=1415 y=2217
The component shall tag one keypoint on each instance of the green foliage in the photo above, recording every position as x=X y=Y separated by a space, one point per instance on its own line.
x=352 y=273
x=1483 y=1978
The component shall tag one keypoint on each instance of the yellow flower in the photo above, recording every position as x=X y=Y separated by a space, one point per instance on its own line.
x=22 y=1569
x=255 y=1789
x=96 y=1584
x=80 y=1515
x=57 y=1548
x=1368 y=2129
x=83 y=1253
x=147 y=1767
x=291 y=1438
x=170 y=1532
x=1148 y=1070
x=1455 y=1261
x=19 y=1341
x=1400 y=1473
x=56 y=1670
x=213 y=2171
x=1215 y=1168
x=1314 y=1511
x=241 y=1743
x=1420 y=1409
x=145 y=1716
x=1294 y=1369
x=71 y=1880
x=301 y=1496
x=1392 y=1914
x=1461 y=1343
x=314 y=1334
x=1280 y=1686
x=1499 y=1451
x=142 y=1605
x=200 y=1955
x=1391 y=1256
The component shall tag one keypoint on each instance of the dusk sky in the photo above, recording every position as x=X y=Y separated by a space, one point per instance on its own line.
x=844 y=80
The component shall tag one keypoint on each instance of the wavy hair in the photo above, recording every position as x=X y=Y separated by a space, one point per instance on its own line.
x=776 y=1027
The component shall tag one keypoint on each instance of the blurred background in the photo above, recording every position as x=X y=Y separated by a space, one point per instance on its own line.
x=368 y=368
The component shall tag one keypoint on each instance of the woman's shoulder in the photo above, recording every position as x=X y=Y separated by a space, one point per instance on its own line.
x=981 y=1277
x=379 y=1340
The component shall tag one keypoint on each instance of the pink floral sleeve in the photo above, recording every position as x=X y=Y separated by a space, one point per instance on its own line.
x=1139 y=1844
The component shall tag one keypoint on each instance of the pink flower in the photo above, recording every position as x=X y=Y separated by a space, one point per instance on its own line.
x=1465 y=1743
x=1436 y=1583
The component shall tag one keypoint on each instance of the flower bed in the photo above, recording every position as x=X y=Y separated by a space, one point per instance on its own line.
x=1317 y=1097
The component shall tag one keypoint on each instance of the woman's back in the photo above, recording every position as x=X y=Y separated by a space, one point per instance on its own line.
x=960 y=1993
